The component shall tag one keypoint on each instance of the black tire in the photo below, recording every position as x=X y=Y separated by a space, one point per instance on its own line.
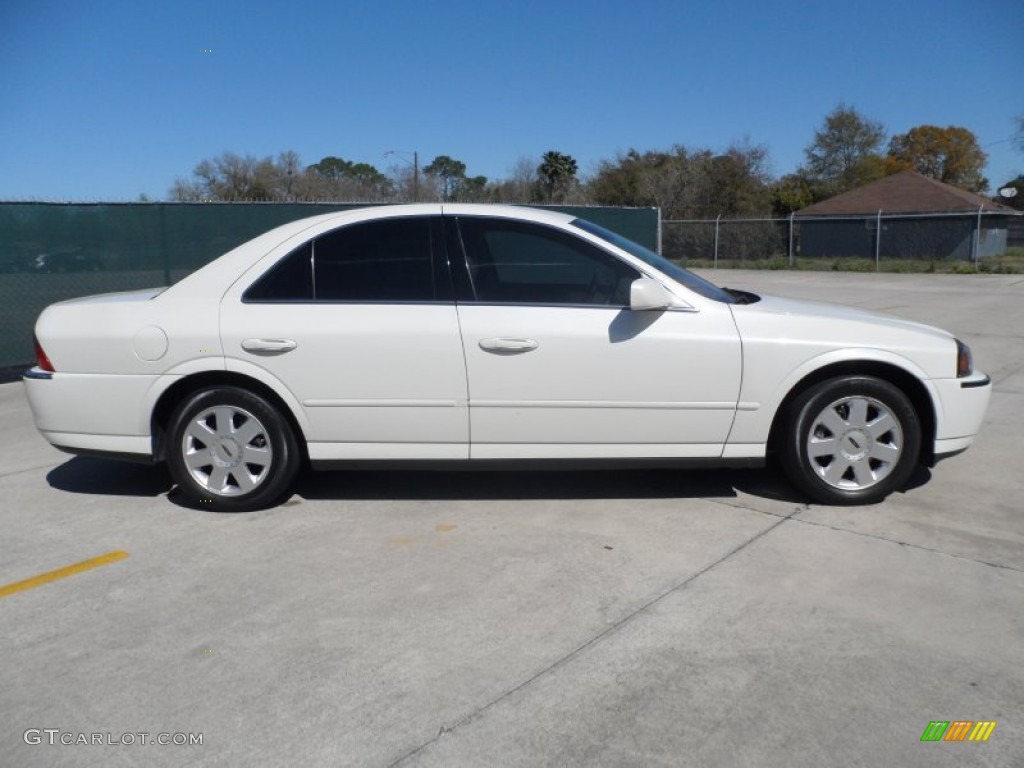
x=850 y=440
x=213 y=432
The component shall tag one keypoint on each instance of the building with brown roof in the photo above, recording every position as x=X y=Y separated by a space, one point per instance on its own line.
x=919 y=218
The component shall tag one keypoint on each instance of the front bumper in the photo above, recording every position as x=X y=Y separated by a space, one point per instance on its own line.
x=961 y=405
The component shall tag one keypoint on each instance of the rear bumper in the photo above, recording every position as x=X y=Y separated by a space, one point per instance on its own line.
x=126 y=448
x=91 y=413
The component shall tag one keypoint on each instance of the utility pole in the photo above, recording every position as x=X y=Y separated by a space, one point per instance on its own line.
x=415 y=169
x=415 y=177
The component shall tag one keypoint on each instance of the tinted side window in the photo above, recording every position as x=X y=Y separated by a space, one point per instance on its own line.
x=388 y=260
x=523 y=263
x=291 y=279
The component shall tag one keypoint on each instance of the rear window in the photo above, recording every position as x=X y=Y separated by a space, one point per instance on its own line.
x=375 y=261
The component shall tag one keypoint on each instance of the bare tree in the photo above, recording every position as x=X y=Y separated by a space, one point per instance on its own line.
x=289 y=171
x=406 y=187
x=233 y=177
x=520 y=187
x=236 y=177
x=186 y=191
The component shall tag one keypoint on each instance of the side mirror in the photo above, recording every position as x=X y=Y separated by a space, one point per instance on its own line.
x=645 y=293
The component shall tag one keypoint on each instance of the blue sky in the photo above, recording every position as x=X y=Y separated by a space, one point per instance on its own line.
x=107 y=100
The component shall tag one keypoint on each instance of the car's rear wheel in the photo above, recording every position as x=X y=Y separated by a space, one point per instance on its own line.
x=851 y=440
x=231 y=450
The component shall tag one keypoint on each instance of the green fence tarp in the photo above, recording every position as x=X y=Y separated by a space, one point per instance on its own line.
x=55 y=251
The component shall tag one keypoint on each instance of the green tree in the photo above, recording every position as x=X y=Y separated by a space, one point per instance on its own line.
x=791 y=193
x=557 y=174
x=738 y=182
x=339 y=179
x=687 y=184
x=473 y=189
x=622 y=181
x=951 y=155
x=449 y=174
x=845 y=153
x=337 y=169
x=331 y=168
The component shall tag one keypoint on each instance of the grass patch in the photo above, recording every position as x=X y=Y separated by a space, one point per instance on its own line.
x=1010 y=264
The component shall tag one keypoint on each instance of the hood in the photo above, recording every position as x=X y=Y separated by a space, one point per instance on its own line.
x=798 y=310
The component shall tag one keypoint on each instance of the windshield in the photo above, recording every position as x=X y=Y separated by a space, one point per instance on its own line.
x=696 y=284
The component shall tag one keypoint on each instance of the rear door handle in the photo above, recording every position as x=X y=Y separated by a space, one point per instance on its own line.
x=268 y=346
x=508 y=346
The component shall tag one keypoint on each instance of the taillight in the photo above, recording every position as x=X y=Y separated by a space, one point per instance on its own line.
x=41 y=359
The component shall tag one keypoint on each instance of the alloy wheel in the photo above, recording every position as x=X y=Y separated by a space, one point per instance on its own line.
x=226 y=450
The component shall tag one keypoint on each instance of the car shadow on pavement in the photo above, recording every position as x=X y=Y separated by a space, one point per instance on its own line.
x=87 y=475
x=546 y=484
x=115 y=478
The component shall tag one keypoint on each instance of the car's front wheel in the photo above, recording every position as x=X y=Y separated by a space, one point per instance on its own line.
x=231 y=450
x=851 y=440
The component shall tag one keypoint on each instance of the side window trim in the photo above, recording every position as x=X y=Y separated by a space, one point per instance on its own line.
x=444 y=284
x=458 y=262
x=465 y=260
x=312 y=265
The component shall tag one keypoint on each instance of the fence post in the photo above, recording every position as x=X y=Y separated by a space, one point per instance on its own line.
x=716 y=239
x=791 y=214
x=878 y=240
x=977 y=237
x=165 y=257
x=660 y=225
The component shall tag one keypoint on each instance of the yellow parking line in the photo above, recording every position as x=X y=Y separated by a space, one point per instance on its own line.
x=62 y=573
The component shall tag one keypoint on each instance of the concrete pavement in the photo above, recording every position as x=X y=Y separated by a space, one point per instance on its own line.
x=572 y=618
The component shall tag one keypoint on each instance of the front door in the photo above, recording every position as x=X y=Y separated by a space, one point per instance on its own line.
x=560 y=367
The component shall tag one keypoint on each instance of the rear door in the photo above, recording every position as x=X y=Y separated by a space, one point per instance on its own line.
x=359 y=325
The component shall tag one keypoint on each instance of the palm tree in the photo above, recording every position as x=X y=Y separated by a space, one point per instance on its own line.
x=557 y=174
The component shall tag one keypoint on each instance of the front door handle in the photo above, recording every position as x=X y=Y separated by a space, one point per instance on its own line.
x=268 y=346
x=508 y=346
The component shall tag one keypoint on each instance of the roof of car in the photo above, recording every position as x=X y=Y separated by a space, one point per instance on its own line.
x=212 y=279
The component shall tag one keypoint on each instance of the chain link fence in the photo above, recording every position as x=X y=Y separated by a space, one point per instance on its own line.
x=882 y=242
x=50 y=252
x=55 y=251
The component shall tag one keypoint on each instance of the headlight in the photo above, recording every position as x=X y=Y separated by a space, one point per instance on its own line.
x=964 y=360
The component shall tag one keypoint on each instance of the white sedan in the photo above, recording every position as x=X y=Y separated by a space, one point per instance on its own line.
x=484 y=334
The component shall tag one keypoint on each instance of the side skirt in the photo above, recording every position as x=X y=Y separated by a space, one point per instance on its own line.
x=555 y=465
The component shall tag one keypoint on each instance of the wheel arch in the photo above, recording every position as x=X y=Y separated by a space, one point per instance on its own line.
x=908 y=383
x=188 y=385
